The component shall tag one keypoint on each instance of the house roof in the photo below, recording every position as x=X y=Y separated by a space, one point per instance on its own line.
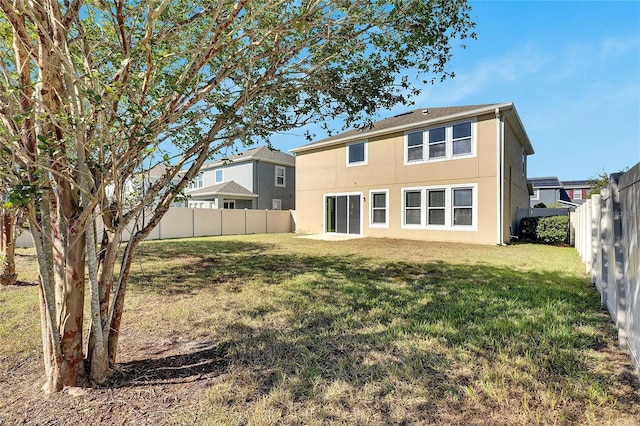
x=230 y=188
x=545 y=182
x=420 y=118
x=260 y=153
x=554 y=182
x=577 y=183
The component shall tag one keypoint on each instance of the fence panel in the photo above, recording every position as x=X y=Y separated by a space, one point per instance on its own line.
x=183 y=222
x=607 y=237
x=629 y=188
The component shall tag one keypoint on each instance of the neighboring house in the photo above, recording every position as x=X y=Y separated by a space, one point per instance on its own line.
x=442 y=174
x=548 y=191
x=577 y=190
x=135 y=187
x=260 y=178
x=552 y=192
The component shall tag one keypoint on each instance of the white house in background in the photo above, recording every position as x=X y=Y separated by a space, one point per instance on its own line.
x=260 y=178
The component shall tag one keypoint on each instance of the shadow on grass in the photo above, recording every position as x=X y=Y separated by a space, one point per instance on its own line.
x=364 y=321
x=203 y=359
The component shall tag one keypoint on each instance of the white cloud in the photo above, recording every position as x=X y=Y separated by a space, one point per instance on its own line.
x=514 y=67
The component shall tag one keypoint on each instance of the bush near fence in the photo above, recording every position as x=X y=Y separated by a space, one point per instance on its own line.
x=548 y=230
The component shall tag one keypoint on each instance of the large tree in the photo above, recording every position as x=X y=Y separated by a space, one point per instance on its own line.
x=93 y=93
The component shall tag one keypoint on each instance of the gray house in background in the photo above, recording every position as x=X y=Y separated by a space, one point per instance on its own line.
x=550 y=191
x=260 y=178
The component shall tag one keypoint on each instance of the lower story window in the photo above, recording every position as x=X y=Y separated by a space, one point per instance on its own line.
x=449 y=207
x=413 y=207
x=379 y=208
x=462 y=207
x=436 y=208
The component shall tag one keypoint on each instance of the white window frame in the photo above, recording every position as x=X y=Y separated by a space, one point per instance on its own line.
x=427 y=207
x=422 y=208
x=574 y=194
x=197 y=182
x=284 y=176
x=524 y=163
x=448 y=142
x=366 y=154
x=448 y=224
x=386 y=208
x=276 y=204
x=215 y=175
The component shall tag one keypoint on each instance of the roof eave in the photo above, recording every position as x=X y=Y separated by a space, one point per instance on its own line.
x=224 y=194
x=416 y=125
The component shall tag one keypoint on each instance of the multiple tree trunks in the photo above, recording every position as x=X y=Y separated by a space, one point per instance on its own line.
x=90 y=93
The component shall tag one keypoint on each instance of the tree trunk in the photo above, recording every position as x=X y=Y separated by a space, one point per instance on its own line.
x=73 y=308
x=8 y=276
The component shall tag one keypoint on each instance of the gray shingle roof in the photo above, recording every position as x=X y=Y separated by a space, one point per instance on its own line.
x=260 y=153
x=406 y=120
x=545 y=182
x=576 y=183
x=224 y=188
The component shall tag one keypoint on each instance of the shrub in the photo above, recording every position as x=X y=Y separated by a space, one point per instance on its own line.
x=548 y=230
x=528 y=226
x=553 y=229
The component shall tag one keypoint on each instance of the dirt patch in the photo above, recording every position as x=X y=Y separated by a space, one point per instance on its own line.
x=157 y=376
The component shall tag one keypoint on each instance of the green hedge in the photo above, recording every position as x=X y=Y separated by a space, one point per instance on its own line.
x=548 y=230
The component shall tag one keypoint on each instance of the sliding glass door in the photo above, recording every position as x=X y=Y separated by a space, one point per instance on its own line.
x=342 y=214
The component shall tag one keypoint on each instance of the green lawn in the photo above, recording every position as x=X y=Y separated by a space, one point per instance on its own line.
x=376 y=331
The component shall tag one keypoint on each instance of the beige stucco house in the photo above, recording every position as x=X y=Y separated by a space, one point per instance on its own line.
x=441 y=174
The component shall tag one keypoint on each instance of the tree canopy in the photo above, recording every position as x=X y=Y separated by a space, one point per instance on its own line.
x=92 y=93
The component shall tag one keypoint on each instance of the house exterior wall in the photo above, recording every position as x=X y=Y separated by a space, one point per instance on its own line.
x=241 y=173
x=324 y=171
x=548 y=196
x=264 y=180
x=515 y=178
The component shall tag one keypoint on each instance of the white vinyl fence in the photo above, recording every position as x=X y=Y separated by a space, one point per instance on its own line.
x=607 y=237
x=183 y=222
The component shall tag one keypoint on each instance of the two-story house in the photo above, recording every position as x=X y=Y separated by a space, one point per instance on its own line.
x=552 y=192
x=442 y=174
x=259 y=178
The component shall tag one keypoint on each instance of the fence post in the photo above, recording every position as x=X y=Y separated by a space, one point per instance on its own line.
x=603 y=252
x=588 y=258
x=621 y=291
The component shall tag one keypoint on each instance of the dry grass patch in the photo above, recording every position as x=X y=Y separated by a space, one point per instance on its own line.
x=383 y=332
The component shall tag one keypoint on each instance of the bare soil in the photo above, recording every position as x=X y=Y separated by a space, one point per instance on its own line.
x=156 y=377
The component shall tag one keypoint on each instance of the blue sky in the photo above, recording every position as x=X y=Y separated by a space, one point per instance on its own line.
x=571 y=68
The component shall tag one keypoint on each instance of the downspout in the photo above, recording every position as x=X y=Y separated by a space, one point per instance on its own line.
x=499 y=184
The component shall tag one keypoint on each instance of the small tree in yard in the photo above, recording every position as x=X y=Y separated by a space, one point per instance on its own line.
x=91 y=94
x=10 y=227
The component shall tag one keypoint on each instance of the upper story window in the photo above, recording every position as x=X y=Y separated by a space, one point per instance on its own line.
x=437 y=142
x=280 y=176
x=219 y=176
x=524 y=163
x=456 y=140
x=357 y=153
x=577 y=194
x=197 y=182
